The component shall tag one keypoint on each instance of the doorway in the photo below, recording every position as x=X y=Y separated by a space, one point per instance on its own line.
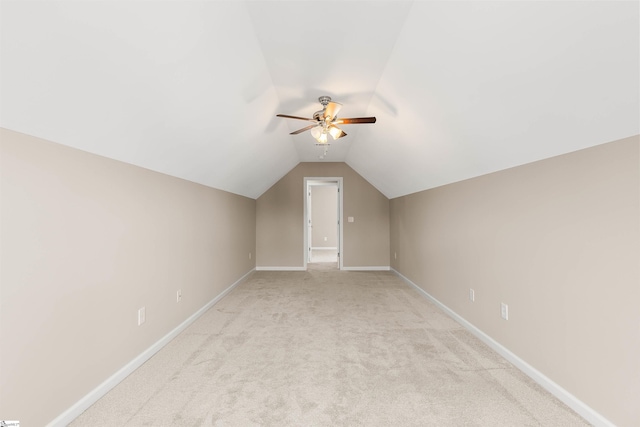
x=323 y=222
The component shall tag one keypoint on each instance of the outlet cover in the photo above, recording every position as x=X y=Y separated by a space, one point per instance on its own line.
x=179 y=295
x=504 y=311
x=142 y=316
x=472 y=295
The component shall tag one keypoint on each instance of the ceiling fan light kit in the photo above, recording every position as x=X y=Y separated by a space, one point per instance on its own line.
x=326 y=121
x=319 y=134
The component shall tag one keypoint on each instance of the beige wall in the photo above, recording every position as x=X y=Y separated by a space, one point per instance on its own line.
x=85 y=242
x=559 y=242
x=280 y=217
x=324 y=216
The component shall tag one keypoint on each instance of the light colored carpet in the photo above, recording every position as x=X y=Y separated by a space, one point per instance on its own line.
x=327 y=348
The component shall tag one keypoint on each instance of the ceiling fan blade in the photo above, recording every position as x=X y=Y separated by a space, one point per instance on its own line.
x=336 y=132
x=331 y=110
x=303 y=129
x=355 y=120
x=286 y=116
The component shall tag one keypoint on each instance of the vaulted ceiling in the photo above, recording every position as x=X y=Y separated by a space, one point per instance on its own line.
x=192 y=88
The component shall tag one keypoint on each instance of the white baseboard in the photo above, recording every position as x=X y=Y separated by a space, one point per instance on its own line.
x=83 y=404
x=280 y=269
x=368 y=268
x=567 y=398
x=323 y=248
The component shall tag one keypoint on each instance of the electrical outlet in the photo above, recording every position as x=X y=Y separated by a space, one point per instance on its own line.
x=395 y=255
x=472 y=295
x=142 y=316
x=504 y=311
x=249 y=255
x=325 y=239
x=179 y=295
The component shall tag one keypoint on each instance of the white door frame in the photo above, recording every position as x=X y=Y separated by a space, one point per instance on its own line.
x=308 y=182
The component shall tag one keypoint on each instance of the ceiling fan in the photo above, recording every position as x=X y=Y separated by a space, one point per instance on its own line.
x=326 y=121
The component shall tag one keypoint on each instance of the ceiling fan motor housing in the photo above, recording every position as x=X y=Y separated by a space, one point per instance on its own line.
x=324 y=100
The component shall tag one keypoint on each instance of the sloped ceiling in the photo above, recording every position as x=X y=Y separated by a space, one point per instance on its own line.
x=191 y=89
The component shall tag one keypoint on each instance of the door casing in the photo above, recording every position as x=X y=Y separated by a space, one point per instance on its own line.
x=308 y=182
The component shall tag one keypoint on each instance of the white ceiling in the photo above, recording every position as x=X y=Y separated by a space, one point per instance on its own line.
x=191 y=88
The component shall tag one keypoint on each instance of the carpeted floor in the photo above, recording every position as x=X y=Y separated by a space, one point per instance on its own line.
x=327 y=348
